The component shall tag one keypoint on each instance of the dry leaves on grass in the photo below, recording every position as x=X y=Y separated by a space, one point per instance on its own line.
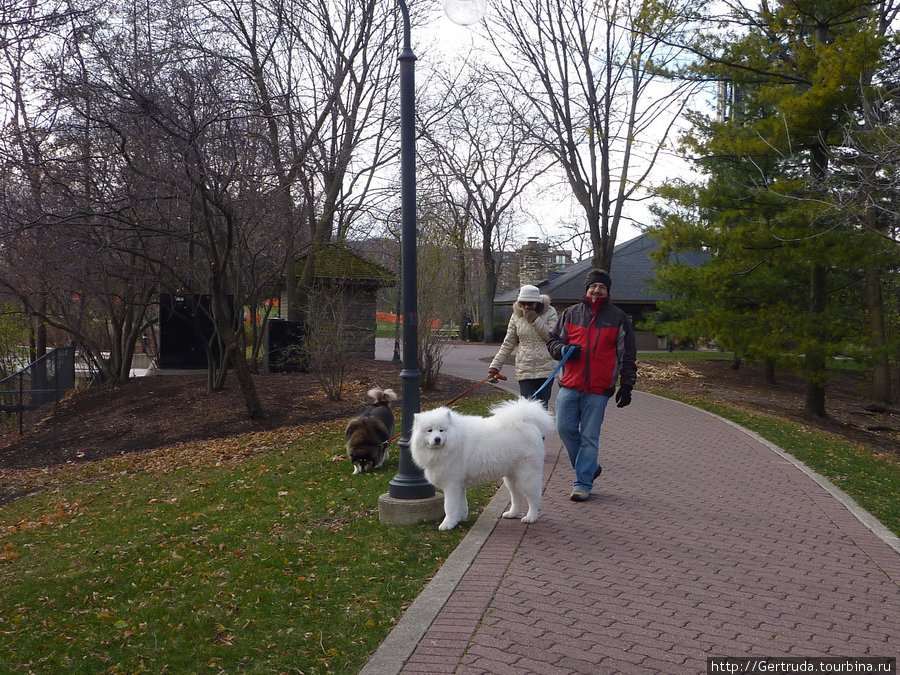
x=191 y=454
x=666 y=372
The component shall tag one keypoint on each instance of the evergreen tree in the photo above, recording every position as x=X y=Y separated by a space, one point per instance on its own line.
x=793 y=77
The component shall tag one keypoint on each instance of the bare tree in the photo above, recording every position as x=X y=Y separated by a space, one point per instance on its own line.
x=26 y=121
x=205 y=127
x=189 y=146
x=436 y=301
x=163 y=152
x=320 y=74
x=482 y=160
x=332 y=344
x=588 y=78
x=66 y=209
x=865 y=192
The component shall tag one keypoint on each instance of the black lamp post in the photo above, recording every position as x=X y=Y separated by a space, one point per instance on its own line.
x=409 y=483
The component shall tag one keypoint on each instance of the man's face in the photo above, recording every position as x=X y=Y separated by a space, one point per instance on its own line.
x=597 y=291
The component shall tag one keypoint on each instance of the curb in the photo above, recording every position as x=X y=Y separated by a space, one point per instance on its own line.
x=406 y=635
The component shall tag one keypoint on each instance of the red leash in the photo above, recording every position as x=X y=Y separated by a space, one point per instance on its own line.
x=492 y=378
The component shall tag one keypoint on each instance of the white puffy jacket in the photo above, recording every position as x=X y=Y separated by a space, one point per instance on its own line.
x=529 y=339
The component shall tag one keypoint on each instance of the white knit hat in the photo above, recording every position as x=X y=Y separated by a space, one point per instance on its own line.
x=529 y=293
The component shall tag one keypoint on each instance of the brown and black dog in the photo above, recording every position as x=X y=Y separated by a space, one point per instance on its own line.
x=369 y=433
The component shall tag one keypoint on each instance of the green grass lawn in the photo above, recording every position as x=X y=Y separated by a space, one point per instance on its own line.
x=383 y=329
x=262 y=555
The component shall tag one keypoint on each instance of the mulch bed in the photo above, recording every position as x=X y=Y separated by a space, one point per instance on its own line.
x=159 y=410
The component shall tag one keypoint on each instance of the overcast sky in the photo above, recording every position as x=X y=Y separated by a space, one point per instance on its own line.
x=442 y=39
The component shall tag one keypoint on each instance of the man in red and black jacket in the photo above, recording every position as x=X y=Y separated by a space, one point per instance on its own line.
x=602 y=339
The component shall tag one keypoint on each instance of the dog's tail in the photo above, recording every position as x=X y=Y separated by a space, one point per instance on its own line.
x=525 y=411
x=384 y=396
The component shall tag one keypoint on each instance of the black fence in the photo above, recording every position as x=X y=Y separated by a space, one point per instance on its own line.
x=44 y=381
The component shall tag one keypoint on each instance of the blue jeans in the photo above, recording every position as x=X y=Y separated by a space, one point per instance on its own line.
x=579 y=417
x=527 y=388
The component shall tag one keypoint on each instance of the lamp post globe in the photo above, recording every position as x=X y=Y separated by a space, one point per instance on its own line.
x=465 y=12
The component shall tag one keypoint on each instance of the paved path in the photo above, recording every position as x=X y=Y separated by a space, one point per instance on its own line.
x=701 y=539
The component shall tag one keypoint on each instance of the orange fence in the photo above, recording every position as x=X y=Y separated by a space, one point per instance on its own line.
x=390 y=317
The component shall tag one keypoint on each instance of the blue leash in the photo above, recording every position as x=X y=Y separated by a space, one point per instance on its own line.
x=566 y=352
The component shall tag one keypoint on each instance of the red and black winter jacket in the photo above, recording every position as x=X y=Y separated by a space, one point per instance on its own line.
x=608 y=351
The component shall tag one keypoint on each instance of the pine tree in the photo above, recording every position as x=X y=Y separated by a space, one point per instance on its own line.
x=797 y=76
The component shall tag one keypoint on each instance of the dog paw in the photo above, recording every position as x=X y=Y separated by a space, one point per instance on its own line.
x=508 y=514
x=530 y=519
x=447 y=525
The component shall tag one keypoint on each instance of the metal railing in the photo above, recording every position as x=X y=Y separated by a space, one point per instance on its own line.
x=45 y=381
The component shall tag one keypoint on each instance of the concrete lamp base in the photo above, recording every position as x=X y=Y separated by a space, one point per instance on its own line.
x=395 y=511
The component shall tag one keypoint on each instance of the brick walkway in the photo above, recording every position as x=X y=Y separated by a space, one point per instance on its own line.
x=699 y=540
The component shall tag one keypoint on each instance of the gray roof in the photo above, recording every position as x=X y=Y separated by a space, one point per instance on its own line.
x=631 y=270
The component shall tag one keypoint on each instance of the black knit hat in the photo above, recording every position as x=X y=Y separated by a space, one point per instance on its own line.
x=598 y=277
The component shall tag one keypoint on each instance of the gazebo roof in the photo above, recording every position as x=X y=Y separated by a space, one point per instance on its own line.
x=334 y=261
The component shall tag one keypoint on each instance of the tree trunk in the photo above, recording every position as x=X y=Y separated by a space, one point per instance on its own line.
x=233 y=353
x=216 y=370
x=40 y=335
x=238 y=361
x=881 y=362
x=490 y=290
x=290 y=307
x=815 y=392
x=602 y=258
x=815 y=356
x=461 y=281
x=816 y=330
x=770 y=371
x=299 y=311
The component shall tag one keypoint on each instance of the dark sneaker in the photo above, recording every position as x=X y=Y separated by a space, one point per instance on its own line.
x=579 y=495
x=598 y=471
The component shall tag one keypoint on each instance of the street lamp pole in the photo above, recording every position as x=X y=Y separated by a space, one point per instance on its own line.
x=410 y=482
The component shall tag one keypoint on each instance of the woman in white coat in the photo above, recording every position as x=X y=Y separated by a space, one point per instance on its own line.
x=529 y=329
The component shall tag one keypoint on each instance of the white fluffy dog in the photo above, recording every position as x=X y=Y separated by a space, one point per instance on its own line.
x=458 y=451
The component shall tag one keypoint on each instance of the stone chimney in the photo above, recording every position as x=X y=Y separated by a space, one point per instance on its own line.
x=533 y=259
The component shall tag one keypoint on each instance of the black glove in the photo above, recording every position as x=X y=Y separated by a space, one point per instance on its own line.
x=623 y=396
x=576 y=351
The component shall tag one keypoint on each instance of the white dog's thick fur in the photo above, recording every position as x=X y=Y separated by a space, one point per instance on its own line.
x=458 y=451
